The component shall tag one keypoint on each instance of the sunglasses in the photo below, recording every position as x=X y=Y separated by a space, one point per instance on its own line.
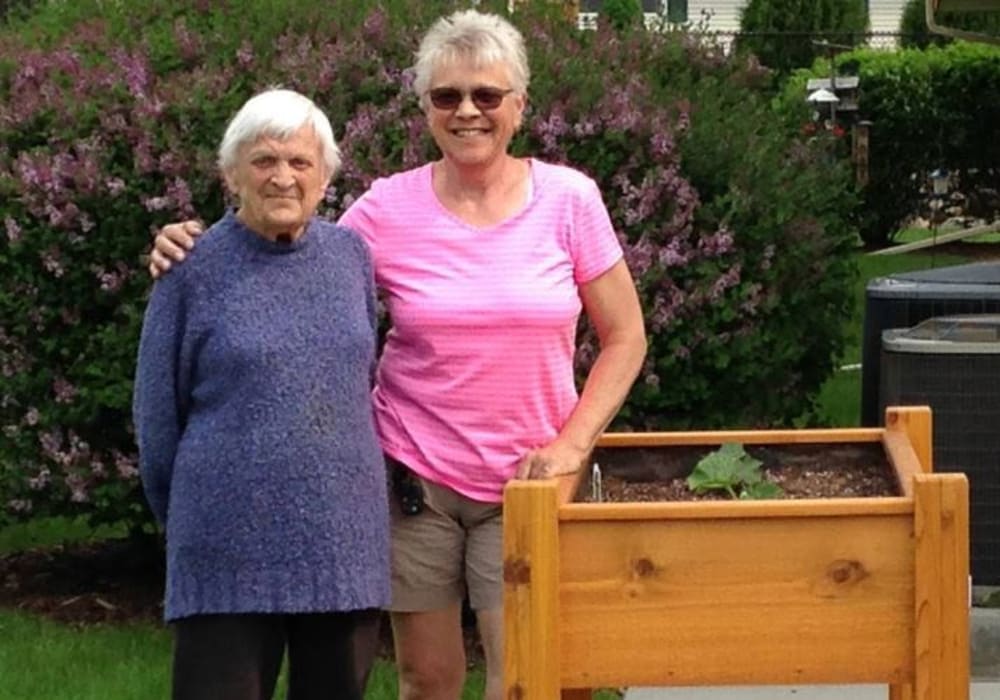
x=485 y=98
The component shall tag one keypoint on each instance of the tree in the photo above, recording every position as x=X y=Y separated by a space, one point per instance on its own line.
x=782 y=32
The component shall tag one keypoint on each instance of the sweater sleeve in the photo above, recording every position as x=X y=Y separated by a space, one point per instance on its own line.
x=158 y=404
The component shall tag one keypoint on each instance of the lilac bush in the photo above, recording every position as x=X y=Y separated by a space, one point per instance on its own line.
x=108 y=129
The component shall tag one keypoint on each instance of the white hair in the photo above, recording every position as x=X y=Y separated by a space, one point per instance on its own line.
x=277 y=113
x=484 y=39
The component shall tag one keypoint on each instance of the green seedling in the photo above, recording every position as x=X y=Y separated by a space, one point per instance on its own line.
x=732 y=470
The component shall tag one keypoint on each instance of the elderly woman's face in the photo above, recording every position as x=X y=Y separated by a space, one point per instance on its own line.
x=279 y=183
x=479 y=127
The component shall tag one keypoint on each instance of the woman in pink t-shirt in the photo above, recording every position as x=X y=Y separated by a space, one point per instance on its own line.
x=485 y=262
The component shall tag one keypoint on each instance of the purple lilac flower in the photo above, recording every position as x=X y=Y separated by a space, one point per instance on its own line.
x=40 y=481
x=52 y=263
x=125 y=465
x=115 y=186
x=19 y=505
x=77 y=488
x=64 y=391
x=32 y=416
x=13 y=229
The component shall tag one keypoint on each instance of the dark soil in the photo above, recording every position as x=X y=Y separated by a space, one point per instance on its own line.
x=843 y=470
x=106 y=582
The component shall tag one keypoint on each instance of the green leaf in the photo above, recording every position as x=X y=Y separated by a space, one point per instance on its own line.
x=732 y=470
x=762 y=490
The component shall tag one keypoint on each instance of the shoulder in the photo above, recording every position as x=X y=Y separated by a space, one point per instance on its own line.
x=214 y=257
x=216 y=244
x=562 y=178
x=398 y=184
x=341 y=239
x=396 y=199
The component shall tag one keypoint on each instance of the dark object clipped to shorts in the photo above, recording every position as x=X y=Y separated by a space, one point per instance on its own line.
x=406 y=487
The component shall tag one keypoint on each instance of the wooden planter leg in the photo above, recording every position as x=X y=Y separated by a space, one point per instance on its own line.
x=941 y=524
x=531 y=590
x=901 y=691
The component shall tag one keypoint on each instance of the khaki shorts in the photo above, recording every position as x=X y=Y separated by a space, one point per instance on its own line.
x=453 y=547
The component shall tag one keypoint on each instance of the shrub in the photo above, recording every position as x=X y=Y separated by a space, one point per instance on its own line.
x=733 y=226
x=781 y=32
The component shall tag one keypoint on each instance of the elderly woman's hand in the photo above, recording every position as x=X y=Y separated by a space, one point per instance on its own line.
x=555 y=459
x=171 y=245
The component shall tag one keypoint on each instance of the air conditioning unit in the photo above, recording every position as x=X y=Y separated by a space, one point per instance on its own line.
x=905 y=299
x=952 y=364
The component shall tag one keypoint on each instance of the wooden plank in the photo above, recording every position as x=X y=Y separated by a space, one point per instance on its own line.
x=903 y=459
x=939 y=239
x=569 y=484
x=956 y=587
x=726 y=510
x=917 y=424
x=747 y=437
x=531 y=586
x=577 y=694
x=942 y=587
x=739 y=601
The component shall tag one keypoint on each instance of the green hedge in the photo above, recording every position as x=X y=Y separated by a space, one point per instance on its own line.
x=735 y=227
x=930 y=109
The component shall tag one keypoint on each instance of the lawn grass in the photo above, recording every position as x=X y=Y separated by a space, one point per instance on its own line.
x=840 y=396
x=43 y=659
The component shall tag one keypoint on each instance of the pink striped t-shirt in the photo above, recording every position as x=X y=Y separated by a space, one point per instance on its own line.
x=477 y=368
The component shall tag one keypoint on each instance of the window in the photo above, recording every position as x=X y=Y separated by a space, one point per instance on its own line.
x=676 y=10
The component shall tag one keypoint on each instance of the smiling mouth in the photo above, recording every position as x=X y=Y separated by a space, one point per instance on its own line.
x=469 y=132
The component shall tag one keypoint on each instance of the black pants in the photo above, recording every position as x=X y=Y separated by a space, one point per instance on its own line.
x=238 y=657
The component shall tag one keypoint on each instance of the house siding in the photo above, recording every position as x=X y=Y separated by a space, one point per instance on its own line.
x=720 y=15
x=724 y=15
x=886 y=15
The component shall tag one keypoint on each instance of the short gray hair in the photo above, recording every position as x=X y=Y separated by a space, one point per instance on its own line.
x=483 y=38
x=277 y=113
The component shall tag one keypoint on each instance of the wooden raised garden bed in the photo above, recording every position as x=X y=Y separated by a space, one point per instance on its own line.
x=809 y=591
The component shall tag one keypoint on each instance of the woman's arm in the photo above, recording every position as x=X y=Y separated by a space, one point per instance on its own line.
x=158 y=410
x=612 y=305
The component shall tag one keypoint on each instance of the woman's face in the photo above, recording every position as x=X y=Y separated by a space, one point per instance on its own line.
x=279 y=183
x=468 y=134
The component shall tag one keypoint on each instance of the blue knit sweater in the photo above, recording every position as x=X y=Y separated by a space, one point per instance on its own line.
x=253 y=417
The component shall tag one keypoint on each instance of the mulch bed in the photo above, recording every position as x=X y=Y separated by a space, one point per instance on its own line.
x=107 y=582
x=115 y=582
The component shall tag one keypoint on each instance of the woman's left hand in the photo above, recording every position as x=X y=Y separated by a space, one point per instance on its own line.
x=555 y=459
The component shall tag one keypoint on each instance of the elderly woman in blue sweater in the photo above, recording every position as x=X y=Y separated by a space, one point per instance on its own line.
x=253 y=416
